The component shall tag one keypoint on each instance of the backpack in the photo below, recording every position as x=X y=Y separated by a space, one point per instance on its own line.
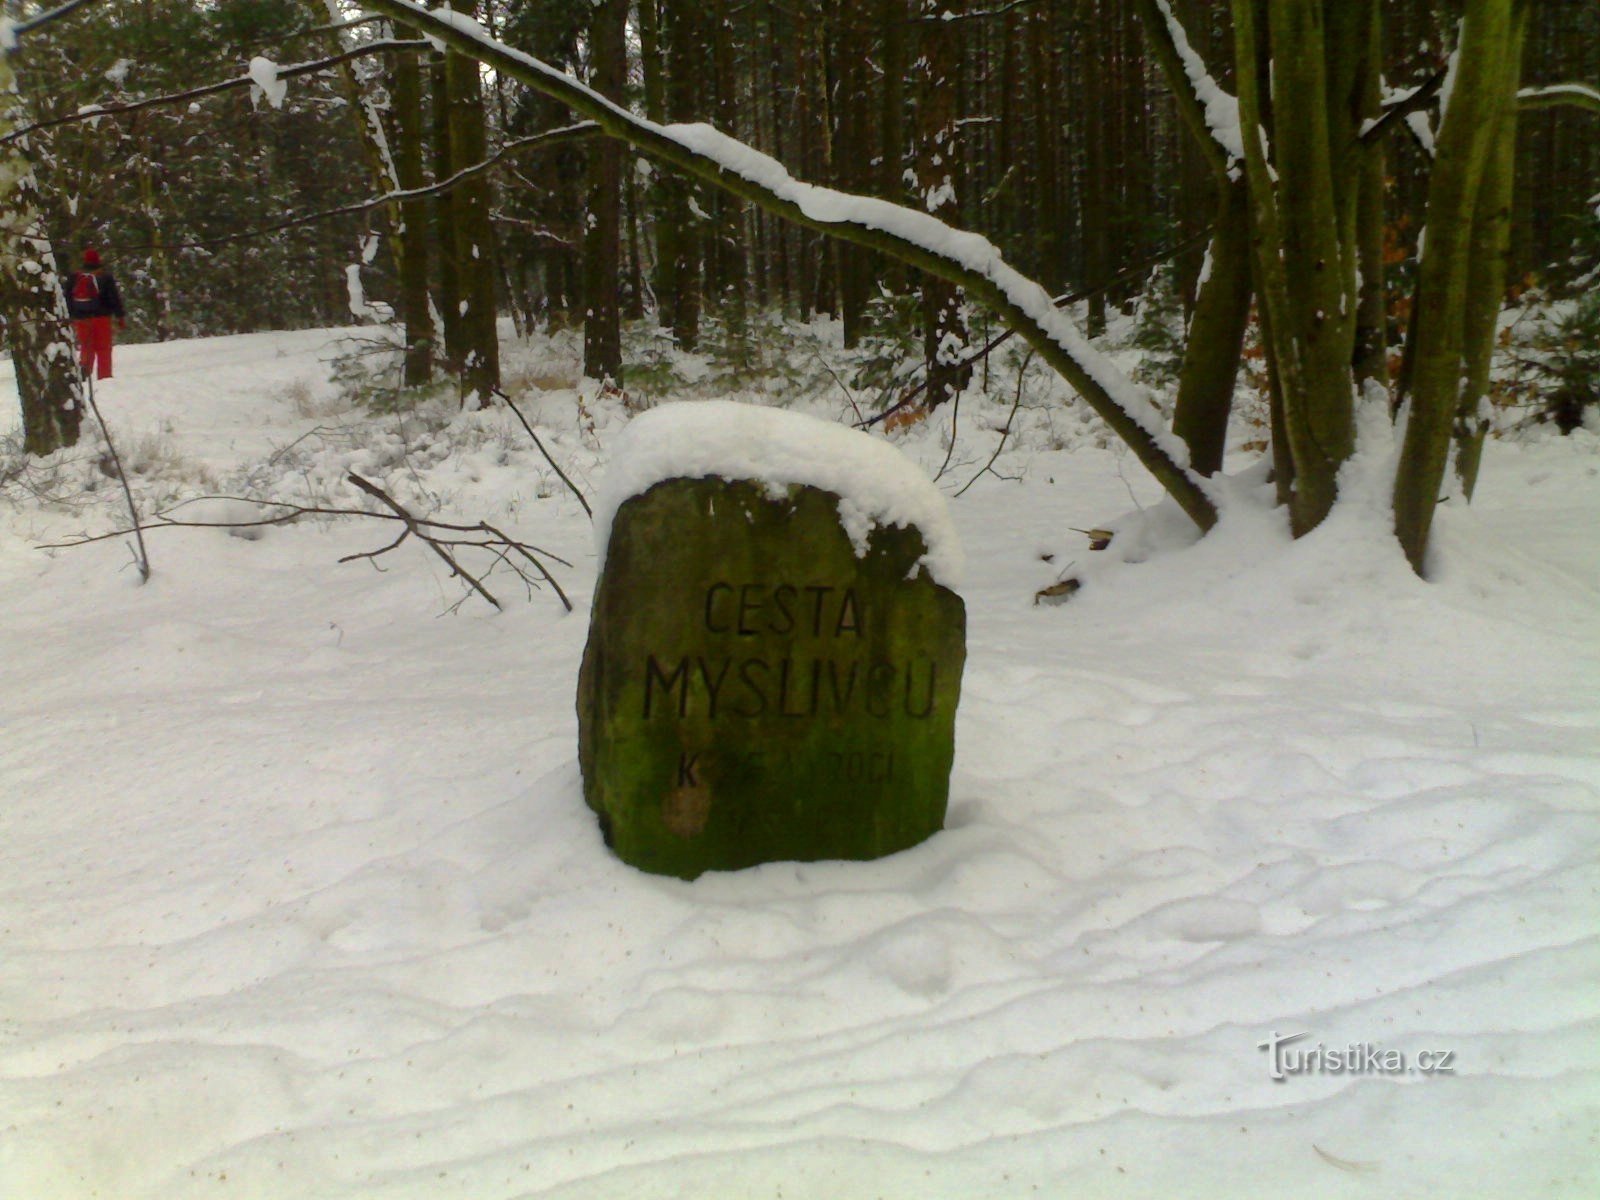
x=85 y=295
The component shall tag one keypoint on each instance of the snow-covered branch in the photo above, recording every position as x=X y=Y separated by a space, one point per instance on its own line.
x=966 y=259
x=1401 y=105
x=1210 y=111
x=249 y=79
x=1577 y=95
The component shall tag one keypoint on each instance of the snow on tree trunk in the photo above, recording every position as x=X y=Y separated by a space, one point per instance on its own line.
x=33 y=309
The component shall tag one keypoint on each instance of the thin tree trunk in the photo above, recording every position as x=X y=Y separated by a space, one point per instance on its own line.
x=406 y=94
x=1486 y=71
x=444 y=220
x=1487 y=258
x=602 y=238
x=1094 y=210
x=473 y=242
x=1215 y=341
x=683 y=43
x=1371 y=338
x=1305 y=286
x=944 y=324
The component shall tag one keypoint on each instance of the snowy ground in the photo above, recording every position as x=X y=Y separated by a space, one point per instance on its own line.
x=299 y=897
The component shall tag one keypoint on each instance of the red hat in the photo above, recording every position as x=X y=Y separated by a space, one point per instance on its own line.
x=91 y=257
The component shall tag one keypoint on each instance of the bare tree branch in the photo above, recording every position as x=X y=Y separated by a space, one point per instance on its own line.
x=553 y=464
x=44 y=18
x=142 y=557
x=437 y=535
x=95 y=112
x=538 y=141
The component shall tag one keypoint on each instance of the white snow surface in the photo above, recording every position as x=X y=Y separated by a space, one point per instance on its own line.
x=876 y=484
x=299 y=896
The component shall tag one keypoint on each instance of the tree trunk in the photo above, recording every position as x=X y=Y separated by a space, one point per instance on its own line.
x=1215 y=340
x=683 y=43
x=1486 y=71
x=444 y=221
x=1094 y=211
x=851 y=28
x=1487 y=259
x=944 y=325
x=1305 y=270
x=406 y=94
x=473 y=240
x=1371 y=361
x=33 y=309
x=602 y=238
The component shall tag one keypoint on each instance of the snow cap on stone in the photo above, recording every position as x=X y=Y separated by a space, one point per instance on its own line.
x=876 y=484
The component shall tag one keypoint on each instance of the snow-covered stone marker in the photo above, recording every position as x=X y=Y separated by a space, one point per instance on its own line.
x=775 y=651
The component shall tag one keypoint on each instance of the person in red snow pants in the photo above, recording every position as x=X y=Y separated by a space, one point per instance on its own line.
x=92 y=301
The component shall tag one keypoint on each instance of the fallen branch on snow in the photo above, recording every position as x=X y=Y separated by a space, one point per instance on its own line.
x=446 y=539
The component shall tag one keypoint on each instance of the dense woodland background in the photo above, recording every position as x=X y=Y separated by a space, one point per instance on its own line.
x=1068 y=152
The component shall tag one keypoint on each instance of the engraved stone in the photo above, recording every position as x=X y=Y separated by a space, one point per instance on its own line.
x=761 y=684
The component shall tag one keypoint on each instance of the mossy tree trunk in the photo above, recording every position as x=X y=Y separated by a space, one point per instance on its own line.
x=1215 y=342
x=1303 y=211
x=1486 y=77
x=1487 y=259
x=33 y=309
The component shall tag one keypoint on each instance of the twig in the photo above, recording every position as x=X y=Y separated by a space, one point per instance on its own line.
x=142 y=558
x=434 y=533
x=955 y=415
x=848 y=397
x=1022 y=375
x=553 y=465
x=383 y=497
x=523 y=550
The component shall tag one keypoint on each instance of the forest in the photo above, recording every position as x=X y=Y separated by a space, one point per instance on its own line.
x=1093 y=144
x=814 y=598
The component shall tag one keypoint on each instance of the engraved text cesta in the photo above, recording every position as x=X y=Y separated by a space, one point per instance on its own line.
x=828 y=682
